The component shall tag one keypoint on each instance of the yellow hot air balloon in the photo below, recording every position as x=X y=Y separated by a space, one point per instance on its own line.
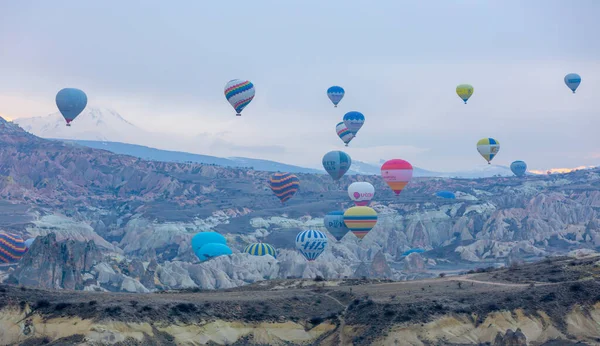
x=488 y=148
x=360 y=220
x=464 y=91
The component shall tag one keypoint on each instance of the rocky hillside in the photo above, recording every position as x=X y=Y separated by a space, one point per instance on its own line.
x=553 y=302
x=134 y=220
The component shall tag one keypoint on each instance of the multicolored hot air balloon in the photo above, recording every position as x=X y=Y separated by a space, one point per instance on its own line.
x=397 y=173
x=360 y=220
x=203 y=238
x=361 y=192
x=239 y=93
x=311 y=243
x=260 y=249
x=518 y=168
x=335 y=94
x=488 y=148
x=336 y=163
x=343 y=132
x=464 y=91
x=212 y=250
x=12 y=247
x=284 y=185
x=354 y=121
x=334 y=222
x=71 y=102
x=572 y=80
x=446 y=194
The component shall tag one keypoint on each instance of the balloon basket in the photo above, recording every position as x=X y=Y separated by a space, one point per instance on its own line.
x=238 y=115
x=69 y=125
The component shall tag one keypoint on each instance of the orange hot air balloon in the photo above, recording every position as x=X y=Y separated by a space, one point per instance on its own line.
x=397 y=173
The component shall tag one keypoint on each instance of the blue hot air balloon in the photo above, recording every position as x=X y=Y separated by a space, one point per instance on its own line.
x=354 y=121
x=518 y=168
x=335 y=94
x=212 y=250
x=572 y=80
x=336 y=163
x=203 y=238
x=71 y=102
x=28 y=242
x=446 y=194
x=261 y=249
x=334 y=222
x=408 y=252
x=311 y=243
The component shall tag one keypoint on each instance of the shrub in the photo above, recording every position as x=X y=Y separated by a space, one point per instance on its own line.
x=319 y=278
x=388 y=313
x=61 y=306
x=316 y=320
x=442 y=275
x=576 y=287
x=41 y=304
x=92 y=303
x=185 y=307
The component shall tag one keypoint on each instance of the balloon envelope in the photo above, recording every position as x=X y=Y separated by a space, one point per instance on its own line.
x=260 y=249
x=335 y=94
x=446 y=194
x=354 y=121
x=360 y=220
x=464 y=91
x=361 y=192
x=311 y=243
x=397 y=173
x=71 y=102
x=203 y=238
x=518 y=168
x=239 y=93
x=334 y=222
x=572 y=80
x=12 y=247
x=212 y=250
x=284 y=185
x=336 y=163
x=28 y=242
x=408 y=252
x=488 y=148
x=343 y=132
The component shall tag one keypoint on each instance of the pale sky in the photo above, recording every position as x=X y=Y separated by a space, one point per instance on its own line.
x=163 y=65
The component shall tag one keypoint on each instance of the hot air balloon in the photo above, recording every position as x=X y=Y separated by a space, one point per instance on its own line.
x=397 y=173
x=212 y=250
x=360 y=220
x=361 y=192
x=343 y=132
x=464 y=91
x=12 y=247
x=354 y=121
x=335 y=94
x=334 y=222
x=518 y=168
x=28 y=242
x=446 y=194
x=408 y=252
x=284 y=185
x=260 y=249
x=239 y=93
x=203 y=238
x=572 y=80
x=71 y=102
x=488 y=148
x=336 y=163
x=311 y=243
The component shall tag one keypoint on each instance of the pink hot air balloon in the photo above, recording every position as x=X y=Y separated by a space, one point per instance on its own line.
x=397 y=173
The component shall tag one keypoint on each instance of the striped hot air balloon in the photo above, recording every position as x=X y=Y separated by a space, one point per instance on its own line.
x=284 y=185
x=239 y=93
x=12 y=247
x=488 y=148
x=360 y=220
x=311 y=243
x=343 y=132
x=397 y=173
x=260 y=249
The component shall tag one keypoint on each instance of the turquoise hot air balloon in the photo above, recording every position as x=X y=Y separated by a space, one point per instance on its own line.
x=203 y=238
x=212 y=250
x=71 y=102
x=336 y=163
x=12 y=247
x=311 y=243
x=446 y=194
x=518 y=168
x=354 y=121
x=334 y=222
x=572 y=80
x=260 y=249
x=335 y=94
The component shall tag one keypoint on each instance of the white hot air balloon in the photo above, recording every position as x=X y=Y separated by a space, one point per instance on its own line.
x=361 y=192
